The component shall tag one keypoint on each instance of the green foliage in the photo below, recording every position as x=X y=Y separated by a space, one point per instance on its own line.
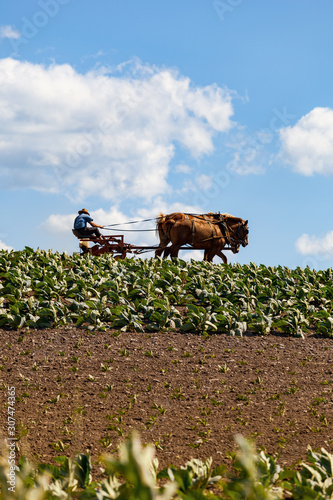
x=258 y=475
x=193 y=479
x=133 y=476
x=139 y=469
x=315 y=480
x=41 y=289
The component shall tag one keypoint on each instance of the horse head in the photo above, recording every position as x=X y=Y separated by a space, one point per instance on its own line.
x=239 y=232
x=242 y=233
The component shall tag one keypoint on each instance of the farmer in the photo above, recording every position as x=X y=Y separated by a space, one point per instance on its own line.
x=80 y=225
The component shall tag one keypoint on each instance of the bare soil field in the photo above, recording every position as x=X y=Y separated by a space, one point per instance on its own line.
x=189 y=395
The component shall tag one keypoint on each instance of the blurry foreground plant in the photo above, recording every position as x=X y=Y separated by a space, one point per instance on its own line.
x=133 y=476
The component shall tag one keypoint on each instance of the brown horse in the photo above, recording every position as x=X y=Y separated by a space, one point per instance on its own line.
x=209 y=232
x=164 y=223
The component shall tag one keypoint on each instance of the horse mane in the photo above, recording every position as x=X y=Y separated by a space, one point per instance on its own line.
x=234 y=219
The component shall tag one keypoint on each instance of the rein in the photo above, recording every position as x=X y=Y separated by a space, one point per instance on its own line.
x=240 y=239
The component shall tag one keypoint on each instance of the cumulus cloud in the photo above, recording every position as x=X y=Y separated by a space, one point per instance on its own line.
x=308 y=145
x=8 y=31
x=101 y=133
x=314 y=245
x=3 y=246
x=191 y=255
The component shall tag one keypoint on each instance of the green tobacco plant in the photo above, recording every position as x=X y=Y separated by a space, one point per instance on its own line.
x=325 y=327
x=199 y=319
x=133 y=475
x=293 y=323
x=139 y=469
x=40 y=289
x=258 y=475
x=261 y=324
x=193 y=478
x=314 y=480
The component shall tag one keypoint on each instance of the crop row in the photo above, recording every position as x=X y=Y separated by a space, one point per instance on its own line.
x=41 y=289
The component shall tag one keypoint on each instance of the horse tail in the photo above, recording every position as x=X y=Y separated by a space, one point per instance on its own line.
x=163 y=225
x=160 y=225
x=160 y=219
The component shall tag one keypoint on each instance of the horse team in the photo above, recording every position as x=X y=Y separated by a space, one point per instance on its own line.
x=209 y=232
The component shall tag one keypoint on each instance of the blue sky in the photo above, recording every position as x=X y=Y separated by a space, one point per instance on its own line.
x=132 y=108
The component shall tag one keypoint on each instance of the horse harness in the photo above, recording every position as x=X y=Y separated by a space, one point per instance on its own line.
x=221 y=223
x=187 y=217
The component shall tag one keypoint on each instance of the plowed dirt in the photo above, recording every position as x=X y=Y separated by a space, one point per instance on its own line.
x=77 y=391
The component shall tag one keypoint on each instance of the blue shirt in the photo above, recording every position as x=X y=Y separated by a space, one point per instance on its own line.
x=81 y=221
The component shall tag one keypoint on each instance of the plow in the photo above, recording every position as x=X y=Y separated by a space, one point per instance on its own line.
x=114 y=245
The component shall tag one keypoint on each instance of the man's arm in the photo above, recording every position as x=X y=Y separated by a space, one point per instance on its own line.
x=95 y=225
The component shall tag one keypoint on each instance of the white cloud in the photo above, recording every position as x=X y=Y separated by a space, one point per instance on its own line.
x=314 y=245
x=99 y=133
x=8 y=31
x=183 y=169
x=3 y=246
x=188 y=255
x=308 y=145
x=58 y=224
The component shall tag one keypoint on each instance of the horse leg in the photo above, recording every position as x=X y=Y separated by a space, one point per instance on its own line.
x=174 y=250
x=166 y=252
x=209 y=255
x=164 y=241
x=180 y=234
x=160 y=250
x=211 y=252
x=223 y=257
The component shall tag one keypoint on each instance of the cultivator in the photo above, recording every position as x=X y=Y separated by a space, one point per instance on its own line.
x=114 y=245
